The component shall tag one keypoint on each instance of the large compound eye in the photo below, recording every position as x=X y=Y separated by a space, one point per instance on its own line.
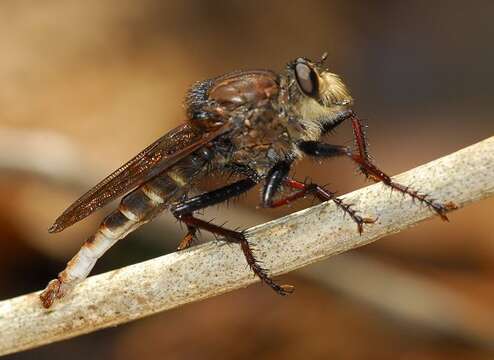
x=307 y=79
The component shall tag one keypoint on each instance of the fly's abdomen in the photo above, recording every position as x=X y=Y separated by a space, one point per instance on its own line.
x=144 y=203
x=135 y=209
x=139 y=207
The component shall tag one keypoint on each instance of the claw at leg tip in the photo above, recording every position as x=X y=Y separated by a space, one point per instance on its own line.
x=47 y=296
x=53 y=291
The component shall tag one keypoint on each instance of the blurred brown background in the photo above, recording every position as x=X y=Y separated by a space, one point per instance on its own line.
x=87 y=84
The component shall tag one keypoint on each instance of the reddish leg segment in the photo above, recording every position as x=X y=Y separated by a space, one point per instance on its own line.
x=323 y=195
x=375 y=174
x=184 y=210
x=238 y=237
x=188 y=239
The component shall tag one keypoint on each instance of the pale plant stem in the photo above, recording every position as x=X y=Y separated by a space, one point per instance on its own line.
x=211 y=269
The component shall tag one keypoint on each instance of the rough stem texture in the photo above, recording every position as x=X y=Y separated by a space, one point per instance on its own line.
x=283 y=245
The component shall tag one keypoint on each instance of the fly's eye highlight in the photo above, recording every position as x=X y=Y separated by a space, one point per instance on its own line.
x=307 y=79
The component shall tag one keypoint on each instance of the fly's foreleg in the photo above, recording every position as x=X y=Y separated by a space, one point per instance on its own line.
x=374 y=173
x=184 y=212
x=361 y=157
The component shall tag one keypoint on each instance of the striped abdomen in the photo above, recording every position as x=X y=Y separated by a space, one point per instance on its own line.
x=140 y=206
x=135 y=209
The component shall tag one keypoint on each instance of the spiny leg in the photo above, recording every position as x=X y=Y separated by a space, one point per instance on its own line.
x=238 y=237
x=274 y=179
x=188 y=239
x=323 y=195
x=240 y=169
x=184 y=212
x=330 y=126
x=188 y=206
x=375 y=174
x=278 y=175
x=315 y=148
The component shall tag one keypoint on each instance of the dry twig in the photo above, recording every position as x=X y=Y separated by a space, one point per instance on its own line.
x=208 y=270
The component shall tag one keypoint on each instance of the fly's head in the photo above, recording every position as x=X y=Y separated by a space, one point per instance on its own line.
x=316 y=95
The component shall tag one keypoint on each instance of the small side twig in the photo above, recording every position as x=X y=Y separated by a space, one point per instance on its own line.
x=208 y=270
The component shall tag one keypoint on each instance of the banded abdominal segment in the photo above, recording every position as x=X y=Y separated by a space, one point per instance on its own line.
x=135 y=209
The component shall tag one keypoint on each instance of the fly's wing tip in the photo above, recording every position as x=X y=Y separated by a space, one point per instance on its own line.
x=56 y=227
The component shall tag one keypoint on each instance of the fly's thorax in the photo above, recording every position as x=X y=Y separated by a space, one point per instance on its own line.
x=258 y=140
x=269 y=113
x=216 y=100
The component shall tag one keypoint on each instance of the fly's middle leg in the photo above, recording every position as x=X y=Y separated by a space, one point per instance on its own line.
x=188 y=239
x=321 y=194
x=278 y=176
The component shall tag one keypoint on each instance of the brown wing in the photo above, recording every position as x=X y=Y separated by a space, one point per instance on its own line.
x=156 y=158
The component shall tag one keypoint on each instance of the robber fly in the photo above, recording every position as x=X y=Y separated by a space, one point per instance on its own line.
x=254 y=124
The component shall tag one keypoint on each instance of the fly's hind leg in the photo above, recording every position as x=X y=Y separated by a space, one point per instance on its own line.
x=184 y=211
x=239 y=238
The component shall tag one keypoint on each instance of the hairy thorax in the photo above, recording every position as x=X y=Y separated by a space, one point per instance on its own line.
x=262 y=132
x=261 y=139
